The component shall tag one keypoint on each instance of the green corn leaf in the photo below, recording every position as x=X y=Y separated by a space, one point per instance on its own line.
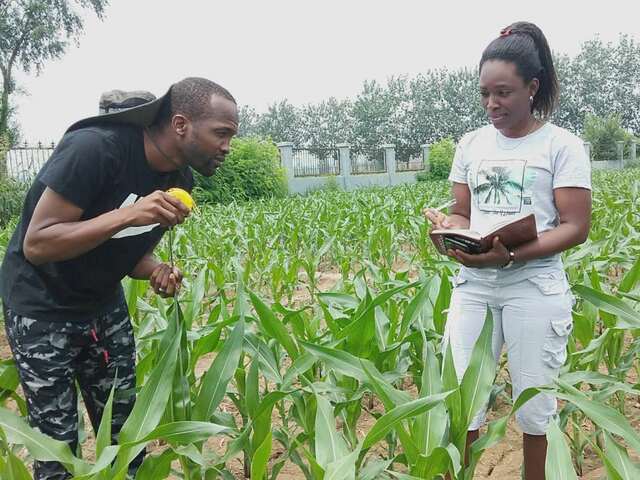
x=495 y=431
x=477 y=381
x=269 y=401
x=394 y=417
x=180 y=400
x=454 y=404
x=261 y=458
x=344 y=468
x=252 y=394
x=631 y=278
x=404 y=476
x=301 y=365
x=619 y=459
x=14 y=469
x=196 y=296
x=40 y=446
x=342 y=362
x=357 y=324
x=438 y=462
x=150 y=403
x=381 y=323
x=628 y=318
x=412 y=312
x=604 y=416
x=442 y=301
x=214 y=383
x=101 y=467
x=429 y=428
x=273 y=326
x=558 y=465
x=373 y=469
x=185 y=432
x=9 y=379
x=391 y=398
x=340 y=299
x=268 y=364
x=103 y=439
x=599 y=379
x=329 y=444
x=156 y=466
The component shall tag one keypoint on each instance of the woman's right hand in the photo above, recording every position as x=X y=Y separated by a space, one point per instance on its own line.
x=439 y=220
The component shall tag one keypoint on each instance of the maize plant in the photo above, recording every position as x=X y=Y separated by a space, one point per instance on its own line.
x=307 y=341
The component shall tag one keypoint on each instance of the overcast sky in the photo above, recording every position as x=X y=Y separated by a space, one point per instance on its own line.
x=306 y=51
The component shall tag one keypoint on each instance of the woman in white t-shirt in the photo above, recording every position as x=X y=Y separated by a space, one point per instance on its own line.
x=519 y=164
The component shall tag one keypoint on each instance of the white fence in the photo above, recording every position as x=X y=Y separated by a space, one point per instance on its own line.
x=23 y=162
x=309 y=167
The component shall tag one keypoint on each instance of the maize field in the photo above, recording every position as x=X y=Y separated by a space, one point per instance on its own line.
x=306 y=343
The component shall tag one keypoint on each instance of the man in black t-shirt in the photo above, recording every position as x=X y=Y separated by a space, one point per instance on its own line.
x=94 y=214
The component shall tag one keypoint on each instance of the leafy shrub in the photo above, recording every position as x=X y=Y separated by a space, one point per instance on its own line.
x=603 y=133
x=251 y=170
x=440 y=160
x=12 y=195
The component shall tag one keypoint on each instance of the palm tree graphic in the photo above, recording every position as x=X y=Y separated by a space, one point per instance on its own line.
x=498 y=183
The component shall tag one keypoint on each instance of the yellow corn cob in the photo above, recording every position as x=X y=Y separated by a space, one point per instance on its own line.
x=183 y=196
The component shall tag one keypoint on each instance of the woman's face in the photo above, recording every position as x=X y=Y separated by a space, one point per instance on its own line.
x=505 y=95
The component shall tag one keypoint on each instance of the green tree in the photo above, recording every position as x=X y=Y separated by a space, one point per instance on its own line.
x=248 y=120
x=281 y=123
x=372 y=111
x=33 y=32
x=446 y=104
x=603 y=79
x=327 y=123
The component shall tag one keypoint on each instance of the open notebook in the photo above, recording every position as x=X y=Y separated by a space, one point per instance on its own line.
x=512 y=232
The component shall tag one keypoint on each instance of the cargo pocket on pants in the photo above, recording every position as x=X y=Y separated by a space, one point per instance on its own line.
x=555 y=286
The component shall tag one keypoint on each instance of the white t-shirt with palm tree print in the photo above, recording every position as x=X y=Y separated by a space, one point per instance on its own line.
x=511 y=177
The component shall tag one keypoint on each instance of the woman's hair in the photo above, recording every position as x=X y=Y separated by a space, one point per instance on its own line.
x=525 y=45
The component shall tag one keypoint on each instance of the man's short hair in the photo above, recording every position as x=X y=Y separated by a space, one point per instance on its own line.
x=190 y=97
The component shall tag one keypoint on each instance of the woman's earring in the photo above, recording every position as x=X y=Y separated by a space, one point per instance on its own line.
x=530 y=98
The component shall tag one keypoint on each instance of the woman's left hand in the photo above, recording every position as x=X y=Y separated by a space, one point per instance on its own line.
x=498 y=256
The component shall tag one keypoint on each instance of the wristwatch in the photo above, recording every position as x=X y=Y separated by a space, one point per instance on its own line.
x=512 y=259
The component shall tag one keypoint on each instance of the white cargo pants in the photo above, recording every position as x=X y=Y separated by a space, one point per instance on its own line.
x=533 y=318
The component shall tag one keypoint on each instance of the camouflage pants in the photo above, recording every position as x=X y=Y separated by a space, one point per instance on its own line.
x=52 y=356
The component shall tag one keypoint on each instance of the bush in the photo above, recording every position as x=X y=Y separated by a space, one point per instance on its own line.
x=12 y=195
x=250 y=171
x=440 y=160
x=603 y=133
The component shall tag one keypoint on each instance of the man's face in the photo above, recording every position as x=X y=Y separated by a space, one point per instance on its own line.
x=208 y=140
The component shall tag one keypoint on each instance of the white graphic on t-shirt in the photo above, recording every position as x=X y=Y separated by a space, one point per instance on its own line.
x=499 y=186
x=133 y=231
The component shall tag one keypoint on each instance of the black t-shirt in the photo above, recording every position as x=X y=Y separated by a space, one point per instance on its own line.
x=99 y=169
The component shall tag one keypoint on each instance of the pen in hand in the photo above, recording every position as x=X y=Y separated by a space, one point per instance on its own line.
x=436 y=217
x=448 y=204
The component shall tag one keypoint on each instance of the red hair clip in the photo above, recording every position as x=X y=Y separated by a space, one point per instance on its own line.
x=505 y=32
